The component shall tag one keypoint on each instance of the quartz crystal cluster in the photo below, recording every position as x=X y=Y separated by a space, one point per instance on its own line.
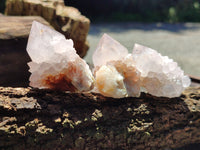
x=55 y=64
x=119 y=74
x=115 y=72
x=160 y=75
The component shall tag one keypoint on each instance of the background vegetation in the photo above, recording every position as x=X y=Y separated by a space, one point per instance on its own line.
x=2 y=6
x=136 y=10
x=139 y=10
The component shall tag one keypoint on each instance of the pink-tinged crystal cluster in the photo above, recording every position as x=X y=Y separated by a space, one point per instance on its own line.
x=116 y=75
x=121 y=74
x=55 y=64
x=160 y=75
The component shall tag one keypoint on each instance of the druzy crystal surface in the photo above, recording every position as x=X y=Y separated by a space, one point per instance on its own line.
x=145 y=70
x=116 y=75
x=55 y=64
x=160 y=75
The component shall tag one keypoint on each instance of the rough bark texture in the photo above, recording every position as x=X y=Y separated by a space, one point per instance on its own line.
x=45 y=119
x=14 y=32
x=67 y=20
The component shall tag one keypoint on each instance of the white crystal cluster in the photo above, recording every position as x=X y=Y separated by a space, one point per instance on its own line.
x=160 y=75
x=55 y=64
x=115 y=72
x=119 y=74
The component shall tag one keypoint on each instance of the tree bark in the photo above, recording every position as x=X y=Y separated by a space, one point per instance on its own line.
x=14 y=32
x=45 y=119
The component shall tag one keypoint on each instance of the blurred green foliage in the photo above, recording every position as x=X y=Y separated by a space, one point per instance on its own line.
x=136 y=10
x=2 y=6
x=139 y=10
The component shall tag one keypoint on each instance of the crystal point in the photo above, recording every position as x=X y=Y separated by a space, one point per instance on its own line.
x=55 y=64
x=108 y=49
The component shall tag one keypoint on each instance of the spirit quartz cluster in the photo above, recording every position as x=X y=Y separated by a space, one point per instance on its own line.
x=55 y=64
x=145 y=70
x=117 y=73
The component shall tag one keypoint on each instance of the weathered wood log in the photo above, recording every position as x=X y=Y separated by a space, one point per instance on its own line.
x=67 y=20
x=14 y=32
x=45 y=119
